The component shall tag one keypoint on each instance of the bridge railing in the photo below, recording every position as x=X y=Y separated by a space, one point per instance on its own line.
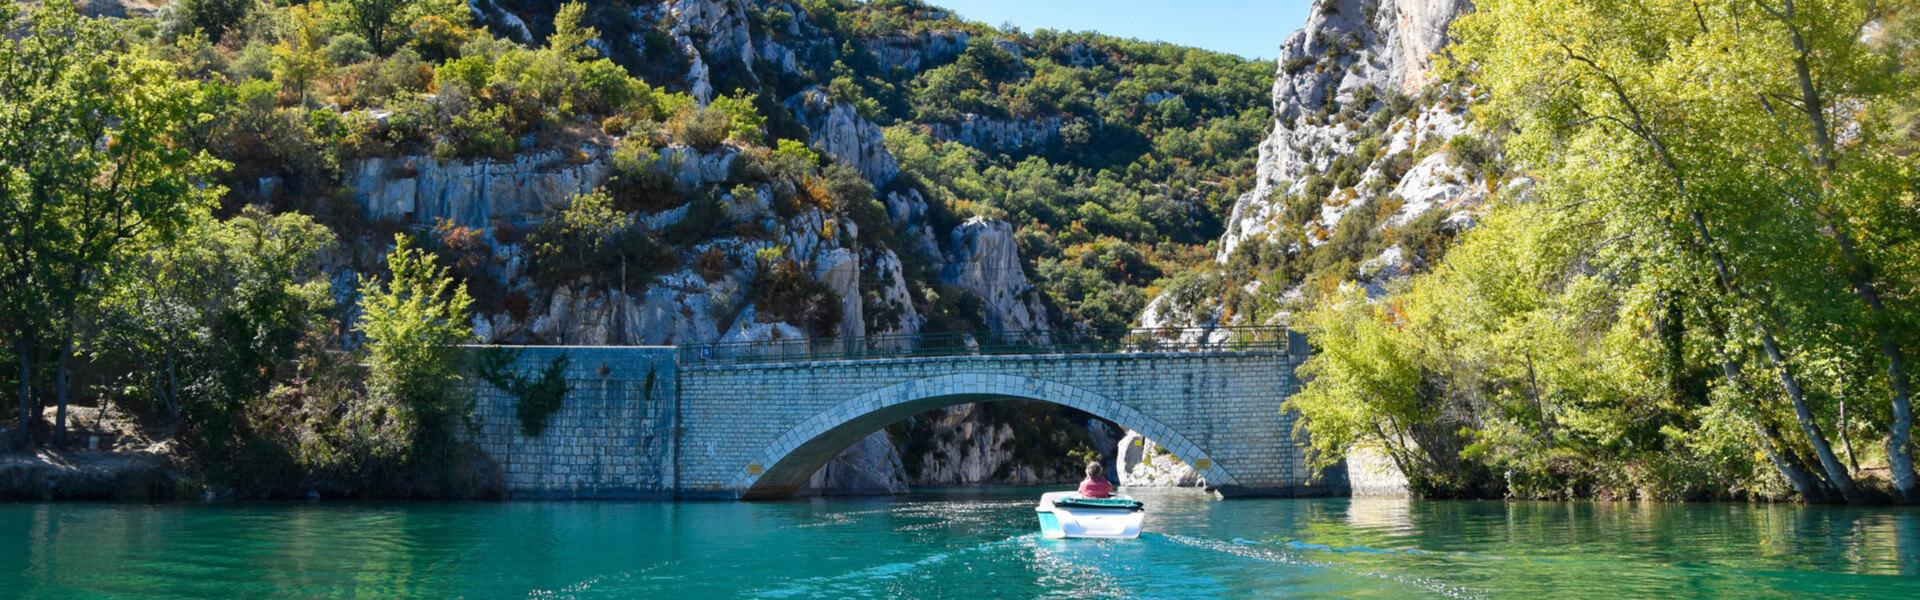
x=1165 y=339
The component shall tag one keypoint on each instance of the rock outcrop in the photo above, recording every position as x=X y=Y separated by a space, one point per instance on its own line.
x=422 y=189
x=983 y=258
x=999 y=135
x=1357 y=82
x=921 y=51
x=975 y=449
x=871 y=467
x=840 y=132
x=1349 y=51
x=1140 y=462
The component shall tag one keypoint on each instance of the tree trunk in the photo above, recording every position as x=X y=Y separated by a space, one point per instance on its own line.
x=1813 y=104
x=1846 y=440
x=23 y=438
x=1788 y=463
x=1784 y=459
x=60 y=364
x=1809 y=425
x=1802 y=411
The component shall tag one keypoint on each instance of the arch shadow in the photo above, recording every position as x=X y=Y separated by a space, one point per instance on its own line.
x=786 y=464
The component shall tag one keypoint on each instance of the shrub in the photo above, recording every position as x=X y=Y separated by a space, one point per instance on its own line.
x=211 y=17
x=347 y=49
x=1472 y=154
x=787 y=293
x=437 y=38
x=604 y=88
x=712 y=264
x=469 y=71
x=478 y=133
x=570 y=244
x=636 y=182
x=414 y=324
x=255 y=62
x=745 y=124
x=702 y=129
x=590 y=237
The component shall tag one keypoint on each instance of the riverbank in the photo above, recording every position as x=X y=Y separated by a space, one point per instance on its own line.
x=89 y=475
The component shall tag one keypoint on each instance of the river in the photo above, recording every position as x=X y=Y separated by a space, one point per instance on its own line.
x=956 y=544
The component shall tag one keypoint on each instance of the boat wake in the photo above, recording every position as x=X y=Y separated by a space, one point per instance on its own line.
x=1288 y=553
x=861 y=582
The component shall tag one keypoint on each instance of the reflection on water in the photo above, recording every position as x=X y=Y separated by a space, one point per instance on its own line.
x=959 y=544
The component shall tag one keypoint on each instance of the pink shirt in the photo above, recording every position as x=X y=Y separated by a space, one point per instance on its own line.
x=1096 y=487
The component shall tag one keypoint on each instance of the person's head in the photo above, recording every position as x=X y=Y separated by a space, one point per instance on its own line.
x=1095 y=470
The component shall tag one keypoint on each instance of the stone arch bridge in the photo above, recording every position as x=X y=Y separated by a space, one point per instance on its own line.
x=732 y=421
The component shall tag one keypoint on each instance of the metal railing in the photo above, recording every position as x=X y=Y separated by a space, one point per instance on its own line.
x=1079 y=341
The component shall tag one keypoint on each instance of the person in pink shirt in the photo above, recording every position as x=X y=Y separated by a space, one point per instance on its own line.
x=1095 y=485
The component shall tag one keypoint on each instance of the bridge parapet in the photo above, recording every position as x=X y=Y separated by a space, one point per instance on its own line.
x=1039 y=342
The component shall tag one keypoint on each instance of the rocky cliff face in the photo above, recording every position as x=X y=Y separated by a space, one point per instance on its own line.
x=1351 y=54
x=1360 y=121
x=982 y=258
x=999 y=443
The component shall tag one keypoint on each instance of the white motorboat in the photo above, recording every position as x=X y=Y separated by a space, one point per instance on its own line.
x=1068 y=515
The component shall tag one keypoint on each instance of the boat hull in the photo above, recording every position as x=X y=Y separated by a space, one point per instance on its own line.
x=1060 y=522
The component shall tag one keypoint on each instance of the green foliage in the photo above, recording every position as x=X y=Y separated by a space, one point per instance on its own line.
x=72 y=205
x=786 y=292
x=590 y=239
x=347 y=49
x=1605 y=338
x=478 y=134
x=414 y=325
x=745 y=124
x=212 y=18
x=386 y=24
x=214 y=316
x=704 y=129
x=536 y=397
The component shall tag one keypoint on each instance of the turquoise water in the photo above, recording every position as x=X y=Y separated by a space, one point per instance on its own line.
x=956 y=544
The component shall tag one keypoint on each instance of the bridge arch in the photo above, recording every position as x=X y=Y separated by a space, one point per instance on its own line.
x=785 y=464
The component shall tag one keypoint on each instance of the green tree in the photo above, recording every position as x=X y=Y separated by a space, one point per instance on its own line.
x=415 y=324
x=571 y=33
x=211 y=17
x=1708 y=131
x=381 y=22
x=300 y=58
x=92 y=155
x=209 y=319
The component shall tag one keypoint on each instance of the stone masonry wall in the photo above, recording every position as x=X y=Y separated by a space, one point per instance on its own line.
x=610 y=438
x=760 y=430
x=755 y=430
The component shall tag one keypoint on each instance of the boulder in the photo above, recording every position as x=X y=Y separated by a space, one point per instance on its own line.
x=1143 y=463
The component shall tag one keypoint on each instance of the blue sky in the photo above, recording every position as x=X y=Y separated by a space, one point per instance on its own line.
x=1250 y=28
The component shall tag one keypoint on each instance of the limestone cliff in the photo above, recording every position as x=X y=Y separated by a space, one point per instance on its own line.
x=1350 y=54
x=798 y=60
x=1360 y=121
